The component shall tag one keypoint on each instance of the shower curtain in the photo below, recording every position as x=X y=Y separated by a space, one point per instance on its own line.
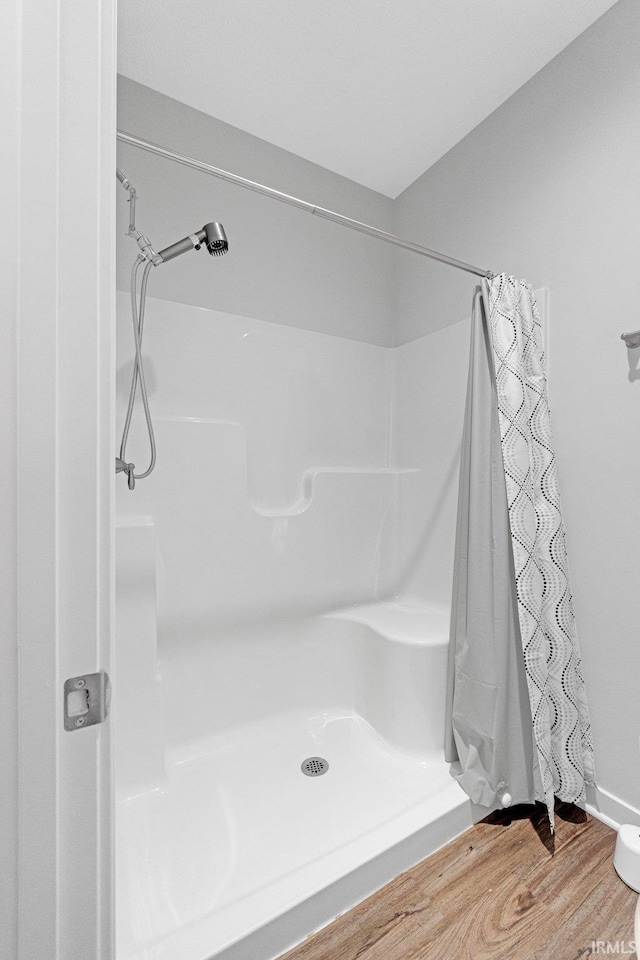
x=517 y=727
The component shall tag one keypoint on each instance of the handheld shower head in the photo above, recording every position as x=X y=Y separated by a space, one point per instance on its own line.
x=216 y=239
x=212 y=234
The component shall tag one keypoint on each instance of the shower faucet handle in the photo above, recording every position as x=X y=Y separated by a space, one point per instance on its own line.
x=128 y=468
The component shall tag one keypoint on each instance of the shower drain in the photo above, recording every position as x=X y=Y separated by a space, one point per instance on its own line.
x=314 y=766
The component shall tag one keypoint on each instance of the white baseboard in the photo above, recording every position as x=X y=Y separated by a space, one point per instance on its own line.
x=610 y=809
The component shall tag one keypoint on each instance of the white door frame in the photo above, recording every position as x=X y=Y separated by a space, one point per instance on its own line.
x=65 y=470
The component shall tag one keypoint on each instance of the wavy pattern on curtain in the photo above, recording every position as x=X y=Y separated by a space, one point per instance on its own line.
x=545 y=750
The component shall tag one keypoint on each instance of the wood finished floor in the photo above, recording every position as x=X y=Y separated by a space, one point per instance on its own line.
x=495 y=892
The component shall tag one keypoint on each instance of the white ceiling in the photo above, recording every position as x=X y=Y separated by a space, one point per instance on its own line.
x=376 y=90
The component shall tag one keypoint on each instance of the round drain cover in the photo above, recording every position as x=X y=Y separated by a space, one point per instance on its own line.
x=314 y=766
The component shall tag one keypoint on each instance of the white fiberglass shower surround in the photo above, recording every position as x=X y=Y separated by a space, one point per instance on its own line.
x=283 y=589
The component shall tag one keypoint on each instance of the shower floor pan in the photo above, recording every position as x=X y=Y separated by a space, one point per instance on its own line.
x=239 y=855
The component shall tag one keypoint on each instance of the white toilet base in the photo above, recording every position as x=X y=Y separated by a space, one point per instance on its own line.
x=626 y=858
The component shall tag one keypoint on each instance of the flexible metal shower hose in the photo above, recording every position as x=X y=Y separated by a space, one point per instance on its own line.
x=137 y=317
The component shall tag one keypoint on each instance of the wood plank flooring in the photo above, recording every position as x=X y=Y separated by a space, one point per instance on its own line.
x=506 y=888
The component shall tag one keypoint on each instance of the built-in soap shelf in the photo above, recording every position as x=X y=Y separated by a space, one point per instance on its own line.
x=309 y=480
x=222 y=555
x=178 y=453
x=404 y=620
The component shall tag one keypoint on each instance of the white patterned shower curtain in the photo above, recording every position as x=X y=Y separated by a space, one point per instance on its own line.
x=517 y=720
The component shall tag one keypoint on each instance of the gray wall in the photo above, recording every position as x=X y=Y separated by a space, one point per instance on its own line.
x=11 y=80
x=544 y=188
x=548 y=188
x=284 y=265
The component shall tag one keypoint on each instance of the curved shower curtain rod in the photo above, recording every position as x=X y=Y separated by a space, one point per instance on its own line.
x=301 y=204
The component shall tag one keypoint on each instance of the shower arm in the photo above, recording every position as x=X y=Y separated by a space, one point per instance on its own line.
x=143 y=241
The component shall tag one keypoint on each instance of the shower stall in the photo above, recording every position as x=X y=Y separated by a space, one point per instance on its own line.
x=256 y=629
x=283 y=582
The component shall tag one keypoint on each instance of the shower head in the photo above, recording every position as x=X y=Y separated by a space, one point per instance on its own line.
x=216 y=239
x=212 y=234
